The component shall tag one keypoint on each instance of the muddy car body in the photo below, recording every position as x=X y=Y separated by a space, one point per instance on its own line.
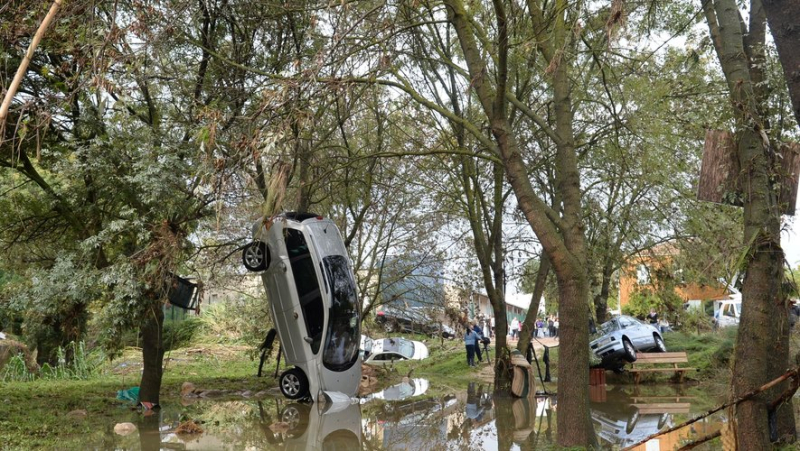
x=313 y=302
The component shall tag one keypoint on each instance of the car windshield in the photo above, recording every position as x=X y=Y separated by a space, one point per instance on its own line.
x=407 y=348
x=608 y=327
x=399 y=346
x=342 y=343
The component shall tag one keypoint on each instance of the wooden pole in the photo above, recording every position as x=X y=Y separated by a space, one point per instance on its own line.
x=23 y=65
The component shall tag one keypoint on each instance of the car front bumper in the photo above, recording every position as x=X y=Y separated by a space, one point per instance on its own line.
x=608 y=350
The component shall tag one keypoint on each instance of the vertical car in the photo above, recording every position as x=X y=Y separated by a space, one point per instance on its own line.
x=313 y=302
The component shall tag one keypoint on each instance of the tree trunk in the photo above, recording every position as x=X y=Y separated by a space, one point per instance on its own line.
x=783 y=17
x=152 y=355
x=601 y=299
x=562 y=238
x=760 y=354
x=573 y=422
x=533 y=310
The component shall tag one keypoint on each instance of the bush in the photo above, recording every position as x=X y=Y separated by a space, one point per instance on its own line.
x=664 y=301
x=82 y=366
x=245 y=320
x=180 y=334
x=709 y=352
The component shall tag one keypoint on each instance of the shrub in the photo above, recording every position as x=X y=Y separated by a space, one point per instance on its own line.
x=83 y=365
x=180 y=334
x=244 y=320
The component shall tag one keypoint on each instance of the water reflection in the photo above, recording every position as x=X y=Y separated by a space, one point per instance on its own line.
x=406 y=416
x=625 y=418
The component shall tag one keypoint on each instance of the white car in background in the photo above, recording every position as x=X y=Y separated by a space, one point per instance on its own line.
x=388 y=350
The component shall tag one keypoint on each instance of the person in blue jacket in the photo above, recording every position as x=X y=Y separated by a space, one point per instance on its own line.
x=471 y=343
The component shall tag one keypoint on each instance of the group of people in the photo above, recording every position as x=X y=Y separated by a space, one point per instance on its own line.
x=473 y=339
x=540 y=327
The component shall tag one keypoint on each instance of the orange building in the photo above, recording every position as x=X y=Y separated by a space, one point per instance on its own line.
x=638 y=274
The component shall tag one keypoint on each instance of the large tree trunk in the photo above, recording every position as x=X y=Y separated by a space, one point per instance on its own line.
x=784 y=22
x=574 y=424
x=152 y=355
x=761 y=354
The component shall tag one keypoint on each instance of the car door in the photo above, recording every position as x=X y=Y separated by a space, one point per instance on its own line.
x=631 y=329
x=644 y=334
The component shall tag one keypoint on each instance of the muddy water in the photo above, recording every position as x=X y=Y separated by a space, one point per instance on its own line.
x=403 y=417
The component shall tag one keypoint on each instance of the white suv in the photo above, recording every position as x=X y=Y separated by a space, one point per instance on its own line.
x=313 y=302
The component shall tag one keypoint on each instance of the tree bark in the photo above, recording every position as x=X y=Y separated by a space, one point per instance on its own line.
x=601 y=299
x=760 y=354
x=784 y=22
x=152 y=354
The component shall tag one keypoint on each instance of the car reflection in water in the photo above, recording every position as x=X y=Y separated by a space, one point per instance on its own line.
x=620 y=422
x=318 y=426
x=405 y=420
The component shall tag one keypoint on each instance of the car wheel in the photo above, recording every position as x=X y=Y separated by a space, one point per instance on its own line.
x=294 y=384
x=630 y=351
x=660 y=346
x=633 y=418
x=255 y=256
x=389 y=327
x=296 y=417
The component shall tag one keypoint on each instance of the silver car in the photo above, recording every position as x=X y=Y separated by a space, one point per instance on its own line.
x=312 y=300
x=619 y=339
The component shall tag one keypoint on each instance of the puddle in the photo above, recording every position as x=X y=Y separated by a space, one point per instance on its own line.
x=404 y=417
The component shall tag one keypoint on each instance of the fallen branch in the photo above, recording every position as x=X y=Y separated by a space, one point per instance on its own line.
x=793 y=373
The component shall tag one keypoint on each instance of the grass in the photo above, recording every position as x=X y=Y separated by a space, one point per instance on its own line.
x=35 y=414
x=709 y=352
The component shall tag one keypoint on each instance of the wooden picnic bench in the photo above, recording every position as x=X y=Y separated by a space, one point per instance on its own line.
x=645 y=362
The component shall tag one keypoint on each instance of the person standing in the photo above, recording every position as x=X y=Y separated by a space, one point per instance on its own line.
x=478 y=342
x=470 y=342
x=555 y=327
x=514 y=328
x=652 y=318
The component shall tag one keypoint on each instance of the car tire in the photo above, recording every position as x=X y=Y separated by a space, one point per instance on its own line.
x=389 y=327
x=630 y=351
x=660 y=345
x=633 y=418
x=255 y=256
x=294 y=384
x=296 y=417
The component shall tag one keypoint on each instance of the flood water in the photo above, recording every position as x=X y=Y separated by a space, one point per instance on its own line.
x=406 y=417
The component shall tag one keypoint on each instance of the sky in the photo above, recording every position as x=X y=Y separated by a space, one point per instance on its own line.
x=790 y=240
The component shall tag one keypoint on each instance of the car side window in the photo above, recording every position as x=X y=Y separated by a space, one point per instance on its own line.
x=307 y=285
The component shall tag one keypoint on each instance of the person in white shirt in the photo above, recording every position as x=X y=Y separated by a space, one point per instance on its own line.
x=514 y=328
